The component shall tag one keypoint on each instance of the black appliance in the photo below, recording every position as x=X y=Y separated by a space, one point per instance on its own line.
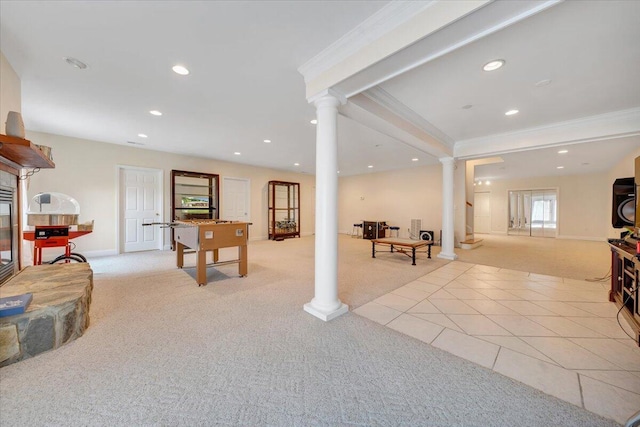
x=427 y=235
x=623 y=206
x=373 y=229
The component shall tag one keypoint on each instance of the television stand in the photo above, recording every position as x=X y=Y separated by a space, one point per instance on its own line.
x=625 y=277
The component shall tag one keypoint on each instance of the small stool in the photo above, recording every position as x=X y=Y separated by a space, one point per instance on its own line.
x=394 y=229
x=357 y=230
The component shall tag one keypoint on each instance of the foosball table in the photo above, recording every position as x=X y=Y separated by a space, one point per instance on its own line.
x=211 y=235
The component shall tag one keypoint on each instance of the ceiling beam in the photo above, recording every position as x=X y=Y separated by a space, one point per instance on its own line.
x=392 y=29
x=618 y=124
x=373 y=113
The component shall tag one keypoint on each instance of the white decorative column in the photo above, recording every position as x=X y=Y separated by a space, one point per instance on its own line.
x=447 y=252
x=325 y=305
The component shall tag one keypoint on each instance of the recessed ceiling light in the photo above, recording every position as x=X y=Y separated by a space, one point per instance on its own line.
x=267 y=141
x=467 y=107
x=560 y=167
x=179 y=69
x=563 y=151
x=543 y=82
x=237 y=153
x=142 y=135
x=155 y=112
x=314 y=122
x=493 y=65
x=296 y=164
x=479 y=182
x=370 y=166
x=338 y=171
x=75 y=63
x=488 y=182
x=415 y=159
x=511 y=112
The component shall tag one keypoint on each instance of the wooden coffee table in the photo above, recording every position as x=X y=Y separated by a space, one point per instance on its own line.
x=402 y=246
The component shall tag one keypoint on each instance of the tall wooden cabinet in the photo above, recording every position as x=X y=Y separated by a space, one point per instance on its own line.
x=284 y=209
x=194 y=195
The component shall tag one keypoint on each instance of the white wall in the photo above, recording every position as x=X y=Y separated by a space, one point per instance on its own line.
x=10 y=93
x=395 y=197
x=87 y=171
x=580 y=201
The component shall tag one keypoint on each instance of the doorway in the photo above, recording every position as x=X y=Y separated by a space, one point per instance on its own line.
x=140 y=202
x=236 y=199
x=533 y=213
x=482 y=213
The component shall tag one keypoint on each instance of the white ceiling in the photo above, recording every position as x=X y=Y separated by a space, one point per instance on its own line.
x=244 y=86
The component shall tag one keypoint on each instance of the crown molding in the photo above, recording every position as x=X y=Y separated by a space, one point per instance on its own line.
x=394 y=14
x=484 y=22
x=617 y=124
x=392 y=104
x=328 y=92
x=368 y=112
x=399 y=25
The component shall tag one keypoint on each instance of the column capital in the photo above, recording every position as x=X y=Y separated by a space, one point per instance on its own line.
x=447 y=160
x=327 y=95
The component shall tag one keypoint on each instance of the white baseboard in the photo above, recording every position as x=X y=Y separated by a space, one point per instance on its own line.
x=589 y=238
x=96 y=254
x=257 y=238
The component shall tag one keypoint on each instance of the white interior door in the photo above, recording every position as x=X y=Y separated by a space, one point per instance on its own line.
x=236 y=198
x=482 y=213
x=140 y=203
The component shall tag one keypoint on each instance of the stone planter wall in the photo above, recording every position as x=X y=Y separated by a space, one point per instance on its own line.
x=58 y=314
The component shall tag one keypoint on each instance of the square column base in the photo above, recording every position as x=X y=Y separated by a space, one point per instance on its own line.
x=450 y=257
x=324 y=315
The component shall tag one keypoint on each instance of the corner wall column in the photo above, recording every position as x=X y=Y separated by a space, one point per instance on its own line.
x=447 y=251
x=325 y=305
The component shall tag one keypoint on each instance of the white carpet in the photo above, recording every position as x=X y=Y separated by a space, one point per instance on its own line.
x=241 y=351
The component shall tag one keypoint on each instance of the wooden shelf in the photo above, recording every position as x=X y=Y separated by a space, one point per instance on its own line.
x=23 y=153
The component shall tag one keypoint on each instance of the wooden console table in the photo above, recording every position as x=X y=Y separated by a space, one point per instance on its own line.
x=625 y=277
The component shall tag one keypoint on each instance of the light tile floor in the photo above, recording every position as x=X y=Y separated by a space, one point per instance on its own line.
x=557 y=335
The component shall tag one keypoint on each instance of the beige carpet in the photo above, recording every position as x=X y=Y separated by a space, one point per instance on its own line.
x=241 y=351
x=575 y=259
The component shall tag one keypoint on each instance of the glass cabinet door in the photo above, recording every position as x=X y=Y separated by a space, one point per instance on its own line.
x=284 y=209
x=194 y=195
